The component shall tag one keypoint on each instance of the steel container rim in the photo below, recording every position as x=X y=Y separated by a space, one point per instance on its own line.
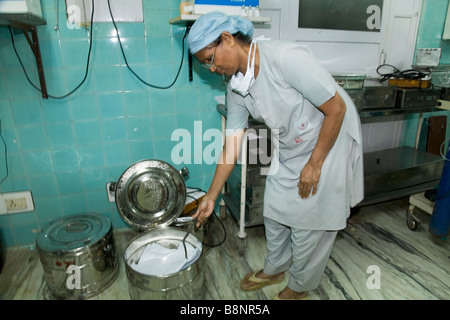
x=147 y=232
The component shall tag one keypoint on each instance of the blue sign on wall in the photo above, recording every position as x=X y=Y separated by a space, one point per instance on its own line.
x=239 y=3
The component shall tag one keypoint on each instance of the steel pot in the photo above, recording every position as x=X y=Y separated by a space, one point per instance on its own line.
x=150 y=195
x=187 y=284
x=78 y=256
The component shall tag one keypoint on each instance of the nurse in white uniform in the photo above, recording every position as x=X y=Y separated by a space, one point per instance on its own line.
x=318 y=174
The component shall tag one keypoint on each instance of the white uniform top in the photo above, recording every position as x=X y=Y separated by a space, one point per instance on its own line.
x=291 y=84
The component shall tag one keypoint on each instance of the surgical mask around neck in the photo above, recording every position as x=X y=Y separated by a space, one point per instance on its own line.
x=240 y=83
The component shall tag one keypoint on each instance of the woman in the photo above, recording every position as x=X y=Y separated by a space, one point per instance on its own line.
x=318 y=175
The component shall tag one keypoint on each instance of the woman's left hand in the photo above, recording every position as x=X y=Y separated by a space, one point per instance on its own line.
x=334 y=112
x=309 y=179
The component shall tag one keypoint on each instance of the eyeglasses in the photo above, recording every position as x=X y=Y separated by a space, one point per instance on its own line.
x=211 y=64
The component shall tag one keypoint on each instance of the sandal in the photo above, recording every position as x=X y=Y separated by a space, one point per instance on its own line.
x=260 y=283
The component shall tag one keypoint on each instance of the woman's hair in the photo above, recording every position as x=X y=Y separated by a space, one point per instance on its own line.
x=238 y=36
x=242 y=38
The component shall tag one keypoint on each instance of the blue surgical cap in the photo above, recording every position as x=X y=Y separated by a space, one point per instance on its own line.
x=210 y=26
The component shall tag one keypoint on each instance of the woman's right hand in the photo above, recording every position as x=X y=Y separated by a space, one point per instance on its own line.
x=204 y=210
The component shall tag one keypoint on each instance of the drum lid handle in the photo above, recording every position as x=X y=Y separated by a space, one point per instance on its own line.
x=76 y=227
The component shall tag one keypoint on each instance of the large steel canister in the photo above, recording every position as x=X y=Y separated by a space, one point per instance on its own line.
x=78 y=256
x=440 y=218
x=150 y=195
x=187 y=284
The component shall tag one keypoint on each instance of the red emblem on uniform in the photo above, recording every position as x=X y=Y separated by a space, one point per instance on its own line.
x=298 y=140
x=302 y=124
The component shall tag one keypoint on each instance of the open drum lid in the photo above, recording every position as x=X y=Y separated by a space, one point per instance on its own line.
x=150 y=193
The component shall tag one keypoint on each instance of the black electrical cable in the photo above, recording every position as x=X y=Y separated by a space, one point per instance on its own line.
x=6 y=154
x=397 y=74
x=132 y=71
x=224 y=233
x=20 y=60
x=193 y=190
x=87 y=62
x=208 y=222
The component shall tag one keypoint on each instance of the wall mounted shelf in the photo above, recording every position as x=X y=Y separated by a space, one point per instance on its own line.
x=27 y=23
x=191 y=18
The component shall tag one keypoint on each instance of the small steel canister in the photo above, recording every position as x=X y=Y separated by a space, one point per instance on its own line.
x=78 y=256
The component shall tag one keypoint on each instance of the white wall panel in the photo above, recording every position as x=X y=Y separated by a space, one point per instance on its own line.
x=346 y=57
x=381 y=135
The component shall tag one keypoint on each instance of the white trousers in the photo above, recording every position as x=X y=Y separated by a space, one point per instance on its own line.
x=304 y=253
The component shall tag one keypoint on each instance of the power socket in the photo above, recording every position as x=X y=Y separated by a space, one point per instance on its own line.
x=16 y=202
x=111 y=191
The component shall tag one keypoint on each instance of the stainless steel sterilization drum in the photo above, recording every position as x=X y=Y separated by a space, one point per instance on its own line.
x=150 y=195
x=78 y=256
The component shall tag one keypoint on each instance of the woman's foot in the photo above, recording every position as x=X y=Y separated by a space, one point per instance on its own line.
x=257 y=280
x=288 y=294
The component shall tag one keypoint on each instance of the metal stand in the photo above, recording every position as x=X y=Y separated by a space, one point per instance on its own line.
x=242 y=235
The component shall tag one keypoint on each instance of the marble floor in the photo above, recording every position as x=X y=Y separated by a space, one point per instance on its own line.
x=377 y=257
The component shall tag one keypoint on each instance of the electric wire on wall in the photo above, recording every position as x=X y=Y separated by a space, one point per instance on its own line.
x=6 y=155
x=89 y=56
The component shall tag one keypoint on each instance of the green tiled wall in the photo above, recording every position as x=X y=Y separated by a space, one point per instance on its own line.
x=431 y=27
x=65 y=151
